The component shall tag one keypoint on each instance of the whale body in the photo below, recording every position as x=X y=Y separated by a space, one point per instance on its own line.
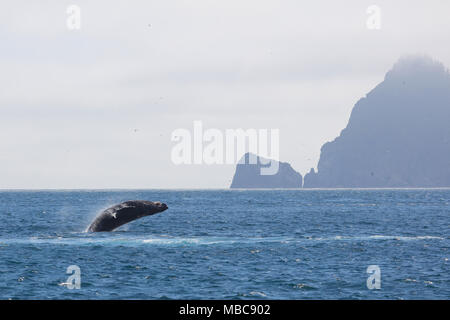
x=123 y=213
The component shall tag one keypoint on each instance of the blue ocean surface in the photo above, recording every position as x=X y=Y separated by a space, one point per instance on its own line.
x=228 y=244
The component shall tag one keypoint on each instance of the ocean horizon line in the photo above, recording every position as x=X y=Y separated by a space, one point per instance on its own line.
x=215 y=189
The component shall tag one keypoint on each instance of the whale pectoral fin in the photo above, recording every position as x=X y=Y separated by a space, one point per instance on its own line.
x=112 y=213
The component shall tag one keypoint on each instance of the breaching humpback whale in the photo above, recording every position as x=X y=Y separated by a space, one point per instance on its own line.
x=124 y=212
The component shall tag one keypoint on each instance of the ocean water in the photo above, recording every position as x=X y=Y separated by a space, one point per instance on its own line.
x=228 y=244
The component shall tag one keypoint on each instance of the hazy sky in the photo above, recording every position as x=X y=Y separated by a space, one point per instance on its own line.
x=95 y=107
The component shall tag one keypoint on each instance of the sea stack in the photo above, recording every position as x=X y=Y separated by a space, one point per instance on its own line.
x=248 y=174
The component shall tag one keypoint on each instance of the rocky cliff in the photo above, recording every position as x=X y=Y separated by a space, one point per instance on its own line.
x=397 y=136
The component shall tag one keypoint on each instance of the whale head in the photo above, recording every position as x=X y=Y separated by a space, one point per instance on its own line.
x=160 y=206
x=149 y=207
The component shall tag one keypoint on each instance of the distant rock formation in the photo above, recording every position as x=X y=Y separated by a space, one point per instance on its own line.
x=397 y=136
x=249 y=175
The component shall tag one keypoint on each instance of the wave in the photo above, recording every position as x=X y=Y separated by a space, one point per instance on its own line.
x=380 y=237
x=124 y=240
